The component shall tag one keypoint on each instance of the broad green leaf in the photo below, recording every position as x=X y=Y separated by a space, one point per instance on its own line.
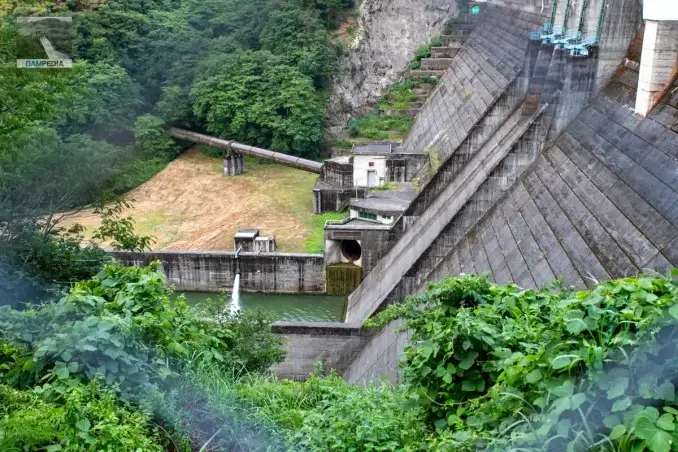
x=617 y=388
x=576 y=326
x=660 y=441
x=560 y=405
x=577 y=400
x=83 y=425
x=649 y=412
x=53 y=448
x=563 y=427
x=425 y=349
x=666 y=422
x=673 y=310
x=534 y=376
x=113 y=352
x=462 y=436
x=611 y=421
x=62 y=372
x=561 y=361
x=666 y=391
x=468 y=385
x=566 y=389
x=621 y=404
x=467 y=360
x=617 y=432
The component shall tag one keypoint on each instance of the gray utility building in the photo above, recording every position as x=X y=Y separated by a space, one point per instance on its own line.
x=349 y=177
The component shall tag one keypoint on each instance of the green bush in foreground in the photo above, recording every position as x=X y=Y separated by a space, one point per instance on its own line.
x=121 y=331
x=86 y=417
x=500 y=367
x=327 y=413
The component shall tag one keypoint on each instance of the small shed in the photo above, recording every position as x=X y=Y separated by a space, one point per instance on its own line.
x=244 y=239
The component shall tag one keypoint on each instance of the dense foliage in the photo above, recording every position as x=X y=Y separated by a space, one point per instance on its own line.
x=500 y=367
x=63 y=366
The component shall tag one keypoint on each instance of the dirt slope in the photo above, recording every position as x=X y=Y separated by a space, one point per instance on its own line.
x=190 y=205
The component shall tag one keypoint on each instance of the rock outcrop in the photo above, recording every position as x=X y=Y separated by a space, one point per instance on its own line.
x=388 y=34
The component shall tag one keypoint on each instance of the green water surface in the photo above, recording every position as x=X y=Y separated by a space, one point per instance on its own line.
x=309 y=308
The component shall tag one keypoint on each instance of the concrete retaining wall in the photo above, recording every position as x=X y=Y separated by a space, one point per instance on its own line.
x=335 y=345
x=213 y=271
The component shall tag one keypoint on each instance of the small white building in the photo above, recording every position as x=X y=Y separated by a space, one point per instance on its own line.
x=369 y=164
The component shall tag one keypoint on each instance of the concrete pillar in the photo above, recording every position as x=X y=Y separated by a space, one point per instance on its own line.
x=234 y=164
x=658 y=62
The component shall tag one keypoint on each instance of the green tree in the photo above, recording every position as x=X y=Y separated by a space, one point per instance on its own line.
x=105 y=102
x=253 y=98
x=152 y=140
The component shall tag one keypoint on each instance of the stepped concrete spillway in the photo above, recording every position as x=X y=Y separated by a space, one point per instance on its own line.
x=244 y=149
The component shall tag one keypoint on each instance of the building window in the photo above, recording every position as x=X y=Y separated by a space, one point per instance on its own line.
x=367 y=216
x=371 y=164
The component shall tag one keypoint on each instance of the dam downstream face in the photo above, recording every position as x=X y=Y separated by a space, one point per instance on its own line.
x=293 y=307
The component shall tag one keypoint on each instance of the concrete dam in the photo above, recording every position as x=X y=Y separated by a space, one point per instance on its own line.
x=548 y=149
x=555 y=163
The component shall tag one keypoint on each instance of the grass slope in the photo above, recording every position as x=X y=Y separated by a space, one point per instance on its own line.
x=190 y=205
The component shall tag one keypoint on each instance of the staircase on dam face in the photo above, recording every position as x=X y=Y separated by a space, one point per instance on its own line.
x=435 y=66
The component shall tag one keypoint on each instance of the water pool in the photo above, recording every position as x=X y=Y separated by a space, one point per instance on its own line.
x=310 y=308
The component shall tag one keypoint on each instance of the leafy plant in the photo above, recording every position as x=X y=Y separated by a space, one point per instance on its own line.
x=505 y=367
x=86 y=417
x=326 y=413
x=342 y=144
x=122 y=327
x=375 y=127
x=437 y=41
x=119 y=229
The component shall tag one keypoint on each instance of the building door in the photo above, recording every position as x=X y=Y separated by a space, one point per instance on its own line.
x=371 y=178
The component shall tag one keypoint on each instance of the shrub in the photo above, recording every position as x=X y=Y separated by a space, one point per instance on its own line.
x=342 y=144
x=326 y=413
x=210 y=151
x=121 y=326
x=501 y=367
x=423 y=52
x=437 y=41
x=414 y=65
x=375 y=126
x=85 y=417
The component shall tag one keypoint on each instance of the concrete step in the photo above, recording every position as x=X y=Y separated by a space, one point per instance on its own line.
x=416 y=105
x=456 y=39
x=412 y=112
x=444 y=52
x=453 y=44
x=422 y=97
x=422 y=92
x=433 y=64
x=426 y=73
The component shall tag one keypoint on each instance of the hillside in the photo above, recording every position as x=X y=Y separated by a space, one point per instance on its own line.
x=190 y=205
